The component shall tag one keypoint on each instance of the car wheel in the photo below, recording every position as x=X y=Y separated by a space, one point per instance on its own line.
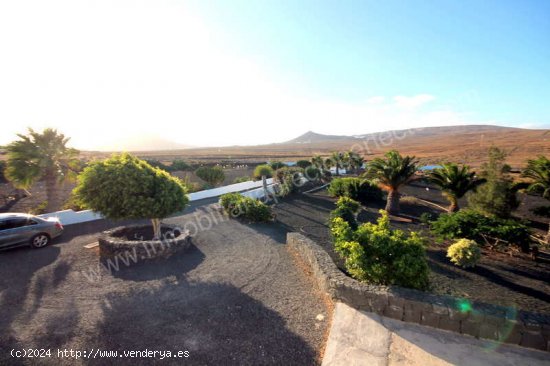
x=40 y=240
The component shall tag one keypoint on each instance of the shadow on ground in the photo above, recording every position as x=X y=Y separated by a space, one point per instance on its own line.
x=189 y=317
x=176 y=265
x=18 y=268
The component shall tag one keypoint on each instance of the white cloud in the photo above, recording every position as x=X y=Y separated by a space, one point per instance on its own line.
x=376 y=100
x=414 y=101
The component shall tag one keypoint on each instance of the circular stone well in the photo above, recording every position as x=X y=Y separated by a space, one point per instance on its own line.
x=136 y=242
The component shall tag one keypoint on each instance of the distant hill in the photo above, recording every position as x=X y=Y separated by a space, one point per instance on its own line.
x=312 y=137
x=463 y=144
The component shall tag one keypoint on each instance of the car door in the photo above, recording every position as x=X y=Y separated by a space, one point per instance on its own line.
x=16 y=231
x=4 y=235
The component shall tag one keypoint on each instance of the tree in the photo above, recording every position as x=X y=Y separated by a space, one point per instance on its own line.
x=538 y=171
x=391 y=173
x=318 y=162
x=41 y=156
x=354 y=160
x=179 y=164
x=214 y=176
x=277 y=165
x=263 y=171
x=497 y=197
x=125 y=187
x=455 y=181
x=337 y=159
x=303 y=163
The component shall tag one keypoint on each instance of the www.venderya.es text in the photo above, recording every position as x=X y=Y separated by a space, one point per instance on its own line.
x=96 y=353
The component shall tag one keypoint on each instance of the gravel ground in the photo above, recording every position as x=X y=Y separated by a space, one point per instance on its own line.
x=236 y=297
x=498 y=279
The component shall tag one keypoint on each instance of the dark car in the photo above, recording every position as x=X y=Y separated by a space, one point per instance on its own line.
x=17 y=229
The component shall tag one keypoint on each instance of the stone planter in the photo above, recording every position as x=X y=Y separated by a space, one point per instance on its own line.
x=129 y=242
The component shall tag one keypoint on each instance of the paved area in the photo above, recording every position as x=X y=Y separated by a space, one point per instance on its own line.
x=234 y=298
x=359 y=338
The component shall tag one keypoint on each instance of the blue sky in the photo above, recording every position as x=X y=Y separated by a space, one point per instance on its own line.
x=211 y=73
x=490 y=57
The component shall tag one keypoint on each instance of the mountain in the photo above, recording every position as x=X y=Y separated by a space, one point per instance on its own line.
x=464 y=144
x=312 y=137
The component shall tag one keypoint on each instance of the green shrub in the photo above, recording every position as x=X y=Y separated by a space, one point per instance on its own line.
x=472 y=224
x=356 y=188
x=426 y=218
x=214 y=176
x=277 y=165
x=289 y=179
x=312 y=173
x=242 y=179
x=263 y=170
x=464 y=253
x=303 y=163
x=376 y=254
x=346 y=209
x=237 y=205
x=179 y=164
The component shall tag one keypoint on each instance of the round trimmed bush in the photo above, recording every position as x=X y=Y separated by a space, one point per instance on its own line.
x=125 y=187
x=464 y=253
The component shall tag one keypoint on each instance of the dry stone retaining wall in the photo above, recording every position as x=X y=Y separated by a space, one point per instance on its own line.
x=477 y=319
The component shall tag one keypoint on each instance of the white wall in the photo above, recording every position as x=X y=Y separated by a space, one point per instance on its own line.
x=250 y=188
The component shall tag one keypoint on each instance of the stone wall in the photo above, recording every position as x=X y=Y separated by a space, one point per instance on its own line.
x=477 y=319
x=112 y=243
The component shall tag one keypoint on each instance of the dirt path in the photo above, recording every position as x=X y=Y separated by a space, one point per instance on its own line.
x=234 y=298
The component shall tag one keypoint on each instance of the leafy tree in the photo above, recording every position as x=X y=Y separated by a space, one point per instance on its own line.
x=312 y=173
x=497 y=196
x=538 y=171
x=41 y=156
x=277 y=165
x=318 y=162
x=303 y=163
x=179 y=164
x=125 y=187
x=337 y=160
x=391 y=173
x=354 y=161
x=214 y=176
x=455 y=181
x=263 y=171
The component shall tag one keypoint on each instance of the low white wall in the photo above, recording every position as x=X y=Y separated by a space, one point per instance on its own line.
x=237 y=187
x=68 y=217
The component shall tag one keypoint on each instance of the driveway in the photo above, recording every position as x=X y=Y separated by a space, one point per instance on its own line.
x=235 y=297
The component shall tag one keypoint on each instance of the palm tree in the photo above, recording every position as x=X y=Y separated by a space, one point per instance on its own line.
x=391 y=173
x=41 y=156
x=455 y=181
x=337 y=159
x=538 y=171
x=318 y=162
x=354 y=160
